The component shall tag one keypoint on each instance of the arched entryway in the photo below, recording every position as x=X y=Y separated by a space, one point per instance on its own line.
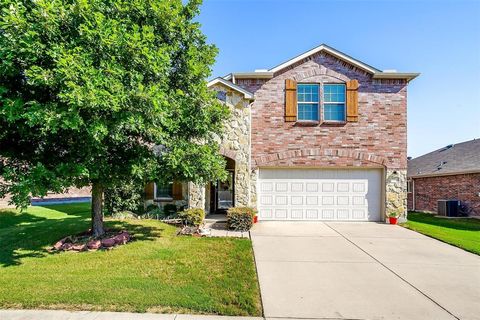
x=222 y=193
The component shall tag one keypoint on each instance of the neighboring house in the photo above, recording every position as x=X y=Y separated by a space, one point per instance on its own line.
x=452 y=172
x=322 y=136
x=72 y=195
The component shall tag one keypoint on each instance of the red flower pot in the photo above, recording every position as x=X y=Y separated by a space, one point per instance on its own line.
x=393 y=220
x=255 y=219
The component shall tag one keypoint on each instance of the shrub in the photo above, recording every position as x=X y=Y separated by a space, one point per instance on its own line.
x=151 y=207
x=192 y=216
x=240 y=218
x=156 y=213
x=126 y=197
x=122 y=215
x=169 y=209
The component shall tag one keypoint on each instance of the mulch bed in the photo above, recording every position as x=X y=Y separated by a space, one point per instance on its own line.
x=86 y=242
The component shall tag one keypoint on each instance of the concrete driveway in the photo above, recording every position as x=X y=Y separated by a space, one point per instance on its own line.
x=362 y=271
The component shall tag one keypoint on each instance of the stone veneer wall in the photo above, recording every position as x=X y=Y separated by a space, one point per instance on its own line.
x=196 y=196
x=396 y=191
x=234 y=144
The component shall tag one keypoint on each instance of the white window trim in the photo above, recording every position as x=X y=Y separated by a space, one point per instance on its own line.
x=327 y=103
x=319 y=107
x=321 y=103
x=159 y=198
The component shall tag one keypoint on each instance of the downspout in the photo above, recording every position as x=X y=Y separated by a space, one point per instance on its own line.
x=413 y=194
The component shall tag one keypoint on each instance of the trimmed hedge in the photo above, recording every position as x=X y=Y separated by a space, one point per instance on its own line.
x=240 y=218
x=193 y=216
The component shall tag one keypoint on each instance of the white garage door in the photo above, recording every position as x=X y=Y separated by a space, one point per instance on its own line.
x=320 y=194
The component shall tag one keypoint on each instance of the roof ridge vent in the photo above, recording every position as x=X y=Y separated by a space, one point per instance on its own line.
x=447 y=147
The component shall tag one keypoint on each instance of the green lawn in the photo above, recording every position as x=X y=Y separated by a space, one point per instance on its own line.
x=158 y=272
x=463 y=233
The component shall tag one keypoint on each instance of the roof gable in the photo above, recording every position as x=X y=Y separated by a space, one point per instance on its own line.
x=246 y=94
x=269 y=73
x=324 y=48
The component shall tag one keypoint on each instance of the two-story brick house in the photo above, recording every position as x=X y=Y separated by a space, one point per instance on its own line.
x=322 y=136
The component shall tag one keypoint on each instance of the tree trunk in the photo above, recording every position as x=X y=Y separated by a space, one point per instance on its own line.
x=97 y=209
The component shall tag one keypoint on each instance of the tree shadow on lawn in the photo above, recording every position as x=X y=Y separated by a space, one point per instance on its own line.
x=10 y=218
x=33 y=239
x=465 y=224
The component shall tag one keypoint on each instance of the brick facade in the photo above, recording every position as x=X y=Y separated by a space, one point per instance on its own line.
x=379 y=138
x=428 y=190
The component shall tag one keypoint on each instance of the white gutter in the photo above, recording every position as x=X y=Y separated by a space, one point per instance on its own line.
x=441 y=174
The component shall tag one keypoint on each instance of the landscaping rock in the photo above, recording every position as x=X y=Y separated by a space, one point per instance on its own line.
x=79 y=247
x=108 y=243
x=94 y=244
x=67 y=246
x=59 y=244
x=122 y=238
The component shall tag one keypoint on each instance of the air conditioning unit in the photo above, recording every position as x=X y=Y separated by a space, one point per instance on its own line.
x=448 y=208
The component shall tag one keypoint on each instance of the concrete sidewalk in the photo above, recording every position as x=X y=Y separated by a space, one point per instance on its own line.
x=94 y=315
x=362 y=271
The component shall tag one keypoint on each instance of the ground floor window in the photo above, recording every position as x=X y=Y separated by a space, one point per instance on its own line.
x=164 y=190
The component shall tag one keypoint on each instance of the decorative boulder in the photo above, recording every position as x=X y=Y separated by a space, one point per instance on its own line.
x=108 y=243
x=122 y=238
x=79 y=247
x=94 y=244
x=67 y=246
x=59 y=244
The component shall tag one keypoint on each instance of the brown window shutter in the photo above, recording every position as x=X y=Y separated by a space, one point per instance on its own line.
x=149 y=190
x=352 y=101
x=290 y=100
x=177 y=191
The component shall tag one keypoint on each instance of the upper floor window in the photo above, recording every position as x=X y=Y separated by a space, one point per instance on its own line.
x=308 y=102
x=334 y=102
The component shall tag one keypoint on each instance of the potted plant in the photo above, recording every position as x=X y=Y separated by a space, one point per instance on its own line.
x=393 y=217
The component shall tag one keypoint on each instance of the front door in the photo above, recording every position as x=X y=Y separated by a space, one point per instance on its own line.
x=225 y=193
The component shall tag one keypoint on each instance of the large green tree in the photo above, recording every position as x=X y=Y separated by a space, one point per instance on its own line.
x=97 y=92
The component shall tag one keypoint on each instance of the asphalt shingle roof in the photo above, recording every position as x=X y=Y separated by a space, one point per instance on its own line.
x=455 y=158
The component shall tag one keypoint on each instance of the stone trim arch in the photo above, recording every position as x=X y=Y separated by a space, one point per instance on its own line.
x=228 y=153
x=285 y=155
x=320 y=71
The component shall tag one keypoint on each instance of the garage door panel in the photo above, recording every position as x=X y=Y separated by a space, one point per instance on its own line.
x=293 y=194
x=311 y=187
x=296 y=214
x=281 y=186
x=359 y=214
x=328 y=187
x=281 y=213
x=296 y=200
x=311 y=214
x=296 y=186
x=266 y=186
x=343 y=187
x=343 y=200
x=343 y=214
x=328 y=214
x=281 y=200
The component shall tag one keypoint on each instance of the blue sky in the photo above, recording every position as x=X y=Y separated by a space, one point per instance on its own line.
x=440 y=39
